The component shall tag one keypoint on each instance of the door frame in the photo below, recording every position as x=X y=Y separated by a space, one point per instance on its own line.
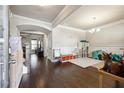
x=5 y=47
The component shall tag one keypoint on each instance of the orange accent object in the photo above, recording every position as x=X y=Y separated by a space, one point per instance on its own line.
x=66 y=57
x=70 y=57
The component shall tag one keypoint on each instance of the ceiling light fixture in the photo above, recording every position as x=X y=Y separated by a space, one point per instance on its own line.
x=93 y=30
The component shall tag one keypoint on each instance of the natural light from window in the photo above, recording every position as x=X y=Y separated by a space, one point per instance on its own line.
x=33 y=44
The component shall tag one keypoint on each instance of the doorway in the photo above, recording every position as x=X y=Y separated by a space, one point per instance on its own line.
x=35 y=43
x=37 y=47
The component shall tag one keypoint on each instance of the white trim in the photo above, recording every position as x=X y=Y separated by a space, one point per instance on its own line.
x=27 y=18
x=71 y=28
x=113 y=23
x=49 y=25
x=6 y=44
x=101 y=27
x=109 y=24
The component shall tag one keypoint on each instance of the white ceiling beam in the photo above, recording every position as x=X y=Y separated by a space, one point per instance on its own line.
x=67 y=11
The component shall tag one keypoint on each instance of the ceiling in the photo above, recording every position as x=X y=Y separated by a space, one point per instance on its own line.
x=44 y=13
x=83 y=17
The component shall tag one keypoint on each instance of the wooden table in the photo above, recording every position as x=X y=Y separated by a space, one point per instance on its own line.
x=112 y=76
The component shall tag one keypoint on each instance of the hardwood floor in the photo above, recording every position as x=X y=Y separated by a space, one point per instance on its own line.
x=44 y=74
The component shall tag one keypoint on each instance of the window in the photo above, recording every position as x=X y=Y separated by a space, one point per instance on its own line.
x=33 y=44
x=38 y=44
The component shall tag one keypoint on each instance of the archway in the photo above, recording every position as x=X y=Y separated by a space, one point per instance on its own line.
x=34 y=29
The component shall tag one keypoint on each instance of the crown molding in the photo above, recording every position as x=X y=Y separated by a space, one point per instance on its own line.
x=49 y=25
x=68 y=27
x=27 y=18
x=113 y=23
x=110 y=24
x=71 y=28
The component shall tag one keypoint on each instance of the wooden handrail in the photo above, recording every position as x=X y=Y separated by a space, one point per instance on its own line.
x=114 y=77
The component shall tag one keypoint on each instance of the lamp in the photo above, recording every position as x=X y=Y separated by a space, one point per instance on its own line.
x=93 y=30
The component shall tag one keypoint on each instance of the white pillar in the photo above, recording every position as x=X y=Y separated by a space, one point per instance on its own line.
x=6 y=43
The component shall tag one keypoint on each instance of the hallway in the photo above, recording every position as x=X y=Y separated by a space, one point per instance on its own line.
x=45 y=74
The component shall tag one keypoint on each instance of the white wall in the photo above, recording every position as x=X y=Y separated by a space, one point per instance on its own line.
x=66 y=39
x=110 y=38
x=63 y=37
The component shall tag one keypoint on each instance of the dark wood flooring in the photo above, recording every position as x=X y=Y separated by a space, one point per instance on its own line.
x=44 y=74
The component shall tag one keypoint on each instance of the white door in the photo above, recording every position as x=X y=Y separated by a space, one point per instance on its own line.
x=4 y=53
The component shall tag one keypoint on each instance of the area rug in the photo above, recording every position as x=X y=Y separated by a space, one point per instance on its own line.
x=87 y=62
